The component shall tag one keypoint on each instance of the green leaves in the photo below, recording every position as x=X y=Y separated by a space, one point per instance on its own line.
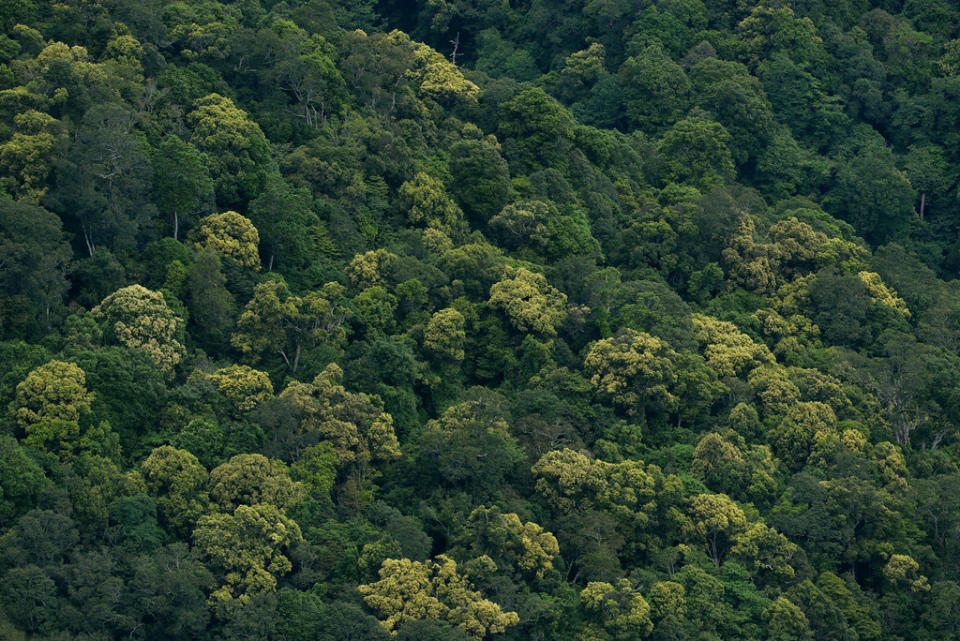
x=140 y=319
x=55 y=391
x=536 y=130
x=238 y=152
x=635 y=370
x=248 y=547
x=696 y=150
x=529 y=301
x=411 y=590
x=231 y=236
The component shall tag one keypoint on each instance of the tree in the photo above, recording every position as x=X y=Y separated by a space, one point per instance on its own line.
x=536 y=130
x=717 y=520
x=55 y=391
x=21 y=480
x=30 y=598
x=182 y=187
x=243 y=386
x=276 y=322
x=785 y=621
x=902 y=569
x=526 y=546
x=103 y=183
x=607 y=503
x=169 y=588
x=292 y=236
x=799 y=100
x=873 y=195
x=439 y=78
x=771 y=30
x=620 y=609
x=309 y=75
x=353 y=423
x=656 y=90
x=178 y=483
x=445 y=335
x=580 y=72
x=28 y=156
x=765 y=550
x=696 y=150
x=736 y=100
x=230 y=236
x=481 y=179
x=428 y=204
x=720 y=464
x=248 y=547
x=252 y=479
x=210 y=303
x=805 y=425
x=635 y=370
x=371 y=268
x=728 y=351
x=140 y=319
x=941 y=618
x=668 y=605
x=33 y=256
x=375 y=66
x=541 y=227
x=529 y=301
x=374 y=312
x=238 y=151
x=413 y=590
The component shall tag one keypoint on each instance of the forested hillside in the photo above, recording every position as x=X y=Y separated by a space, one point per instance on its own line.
x=546 y=320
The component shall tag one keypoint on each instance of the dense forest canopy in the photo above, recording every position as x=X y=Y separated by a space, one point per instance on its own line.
x=597 y=320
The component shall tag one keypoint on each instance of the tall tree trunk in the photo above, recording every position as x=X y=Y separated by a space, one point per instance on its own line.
x=88 y=241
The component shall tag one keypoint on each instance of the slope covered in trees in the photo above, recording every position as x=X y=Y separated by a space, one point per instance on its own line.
x=467 y=319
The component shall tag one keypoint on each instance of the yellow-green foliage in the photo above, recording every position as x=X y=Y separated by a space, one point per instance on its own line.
x=882 y=294
x=630 y=490
x=26 y=159
x=715 y=519
x=728 y=351
x=445 y=335
x=719 y=462
x=667 y=598
x=524 y=222
x=353 y=423
x=249 y=479
x=792 y=249
x=474 y=417
x=413 y=590
x=370 y=268
x=428 y=204
x=230 y=236
x=763 y=549
x=177 y=481
x=249 y=547
x=140 y=319
x=529 y=301
x=622 y=611
x=54 y=391
x=243 y=386
x=438 y=78
x=904 y=570
x=527 y=545
x=276 y=322
x=773 y=387
x=633 y=369
x=785 y=620
x=805 y=425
